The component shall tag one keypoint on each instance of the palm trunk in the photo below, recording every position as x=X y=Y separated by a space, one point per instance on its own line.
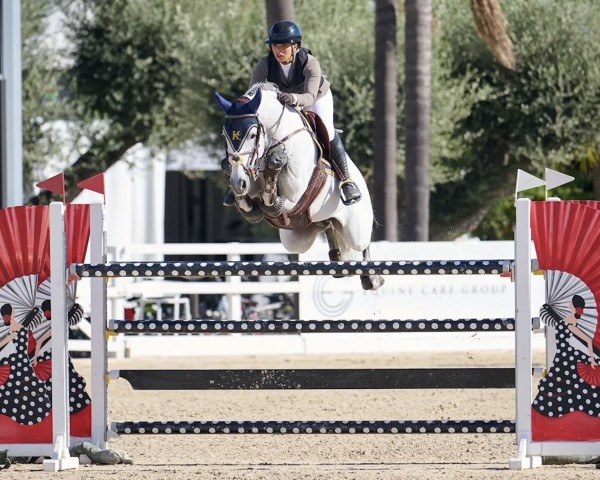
x=386 y=73
x=417 y=118
x=491 y=26
x=278 y=10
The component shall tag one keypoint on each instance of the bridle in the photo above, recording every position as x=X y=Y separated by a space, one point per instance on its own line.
x=252 y=167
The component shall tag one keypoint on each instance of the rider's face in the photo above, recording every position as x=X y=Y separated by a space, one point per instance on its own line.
x=284 y=52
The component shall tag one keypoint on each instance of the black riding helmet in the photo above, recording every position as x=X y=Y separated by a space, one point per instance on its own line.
x=284 y=32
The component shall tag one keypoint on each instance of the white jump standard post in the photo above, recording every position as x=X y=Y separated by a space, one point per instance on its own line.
x=531 y=450
x=99 y=333
x=523 y=337
x=61 y=459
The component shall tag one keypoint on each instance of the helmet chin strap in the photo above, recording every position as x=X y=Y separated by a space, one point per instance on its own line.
x=294 y=52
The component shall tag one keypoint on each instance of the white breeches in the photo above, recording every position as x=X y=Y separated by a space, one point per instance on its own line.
x=324 y=109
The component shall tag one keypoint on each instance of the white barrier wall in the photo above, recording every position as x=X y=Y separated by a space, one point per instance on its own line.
x=418 y=296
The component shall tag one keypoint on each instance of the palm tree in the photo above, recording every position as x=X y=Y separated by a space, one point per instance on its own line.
x=417 y=88
x=491 y=27
x=385 y=148
x=278 y=10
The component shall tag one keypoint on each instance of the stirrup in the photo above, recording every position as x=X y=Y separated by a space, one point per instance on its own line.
x=229 y=200
x=351 y=197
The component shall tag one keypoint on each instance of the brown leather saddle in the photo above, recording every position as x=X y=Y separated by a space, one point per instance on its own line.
x=320 y=130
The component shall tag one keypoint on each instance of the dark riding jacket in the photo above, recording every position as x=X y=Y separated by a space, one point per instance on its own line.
x=305 y=78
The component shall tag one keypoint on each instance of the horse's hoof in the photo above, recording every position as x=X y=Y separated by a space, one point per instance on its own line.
x=371 y=282
x=335 y=255
x=253 y=216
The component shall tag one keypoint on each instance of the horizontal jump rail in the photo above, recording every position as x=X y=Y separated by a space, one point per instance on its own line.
x=318 y=379
x=315 y=427
x=254 y=269
x=311 y=326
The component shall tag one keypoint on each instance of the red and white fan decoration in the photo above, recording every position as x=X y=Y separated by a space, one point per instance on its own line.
x=566 y=235
x=567 y=241
x=24 y=252
x=24 y=265
x=77 y=230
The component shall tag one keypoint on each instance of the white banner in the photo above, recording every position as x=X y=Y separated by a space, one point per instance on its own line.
x=418 y=296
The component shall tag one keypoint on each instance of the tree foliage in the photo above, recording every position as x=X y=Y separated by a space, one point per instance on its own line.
x=128 y=69
x=541 y=115
x=144 y=71
x=41 y=102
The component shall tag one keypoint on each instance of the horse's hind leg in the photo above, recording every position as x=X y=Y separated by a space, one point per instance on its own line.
x=370 y=282
x=335 y=254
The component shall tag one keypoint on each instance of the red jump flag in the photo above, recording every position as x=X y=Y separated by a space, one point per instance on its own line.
x=55 y=184
x=95 y=184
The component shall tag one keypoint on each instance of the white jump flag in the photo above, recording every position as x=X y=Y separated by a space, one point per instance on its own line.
x=525 y=181
x=556 y=179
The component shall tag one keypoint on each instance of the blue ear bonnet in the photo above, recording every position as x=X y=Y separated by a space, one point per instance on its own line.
x=240 y=116
x=237 y=128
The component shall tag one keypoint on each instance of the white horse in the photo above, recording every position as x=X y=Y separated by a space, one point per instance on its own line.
x=278 y=174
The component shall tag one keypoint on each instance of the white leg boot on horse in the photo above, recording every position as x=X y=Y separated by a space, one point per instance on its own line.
x=350 y=193
x=272 y=204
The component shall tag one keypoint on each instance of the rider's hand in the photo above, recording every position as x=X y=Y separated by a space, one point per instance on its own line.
x=287 y=98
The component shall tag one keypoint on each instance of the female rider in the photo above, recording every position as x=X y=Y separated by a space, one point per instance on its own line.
x=298 y=75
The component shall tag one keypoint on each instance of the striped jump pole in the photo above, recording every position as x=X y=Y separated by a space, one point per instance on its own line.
x=187 y=327
x=256 y=269
x=314 y=427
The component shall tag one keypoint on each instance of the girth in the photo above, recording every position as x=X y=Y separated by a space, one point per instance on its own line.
x=299 y=216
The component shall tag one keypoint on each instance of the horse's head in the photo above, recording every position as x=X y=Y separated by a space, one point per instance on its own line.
x=245 y=139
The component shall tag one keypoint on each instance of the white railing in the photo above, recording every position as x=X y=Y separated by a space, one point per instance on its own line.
x=158 y=291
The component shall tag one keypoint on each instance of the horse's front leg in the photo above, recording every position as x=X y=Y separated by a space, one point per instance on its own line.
x=249 y=209
x=272 y=202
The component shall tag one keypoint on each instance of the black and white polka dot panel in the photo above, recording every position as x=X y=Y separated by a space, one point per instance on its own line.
x=311 y=326
x=254 y=269
x=316 y=427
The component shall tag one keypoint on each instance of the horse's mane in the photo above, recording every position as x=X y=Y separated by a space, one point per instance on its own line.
x=264 y=86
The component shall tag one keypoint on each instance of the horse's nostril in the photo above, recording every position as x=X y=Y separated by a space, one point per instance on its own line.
x=243 y=184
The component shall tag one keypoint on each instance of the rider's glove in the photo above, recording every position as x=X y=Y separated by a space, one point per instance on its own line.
x=287 y=98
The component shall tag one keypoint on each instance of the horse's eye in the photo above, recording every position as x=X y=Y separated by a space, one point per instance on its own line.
x=252 y=136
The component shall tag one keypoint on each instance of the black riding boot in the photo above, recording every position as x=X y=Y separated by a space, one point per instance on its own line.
x=229 y=200
x=350 y=192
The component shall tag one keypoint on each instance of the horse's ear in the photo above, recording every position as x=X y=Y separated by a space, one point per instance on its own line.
x=223 y=102
x=253 y=104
